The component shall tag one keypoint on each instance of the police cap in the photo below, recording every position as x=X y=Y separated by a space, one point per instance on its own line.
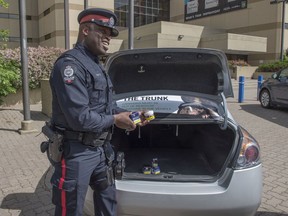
x=100 y=17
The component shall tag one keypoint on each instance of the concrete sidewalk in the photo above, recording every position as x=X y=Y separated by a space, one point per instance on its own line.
x=22 y=165
x=23 y=168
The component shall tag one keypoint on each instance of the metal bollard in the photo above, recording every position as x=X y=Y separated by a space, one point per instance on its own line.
x=241 y=89
x=260 y=80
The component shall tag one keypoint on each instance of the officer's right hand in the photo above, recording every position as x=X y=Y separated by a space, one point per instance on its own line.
x=123 y=121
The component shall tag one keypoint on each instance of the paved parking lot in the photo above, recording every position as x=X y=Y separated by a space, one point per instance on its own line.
x=23 y=168
x=269 y=127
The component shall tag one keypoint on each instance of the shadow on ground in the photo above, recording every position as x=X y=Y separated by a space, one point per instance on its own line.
x=276 y=115
x=29 y=204
x=270 y=214
x=35 y=115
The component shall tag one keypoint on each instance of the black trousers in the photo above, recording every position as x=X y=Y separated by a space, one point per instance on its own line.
x=80 y=167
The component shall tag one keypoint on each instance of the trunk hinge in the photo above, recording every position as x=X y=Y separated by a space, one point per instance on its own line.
x=223 y=125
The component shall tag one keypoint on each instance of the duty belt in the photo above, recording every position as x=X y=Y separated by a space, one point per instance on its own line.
x=87 y=138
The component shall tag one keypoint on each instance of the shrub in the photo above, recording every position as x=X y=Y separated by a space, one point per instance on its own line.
x=3 y=38
x=9 y=77
x=40 y=63
x=239 y=62
x=272 y=67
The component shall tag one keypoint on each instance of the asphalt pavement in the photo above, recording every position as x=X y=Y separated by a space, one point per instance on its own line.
x=24 y=170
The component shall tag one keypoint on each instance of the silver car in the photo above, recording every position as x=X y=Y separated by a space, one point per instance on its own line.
x=193 y=158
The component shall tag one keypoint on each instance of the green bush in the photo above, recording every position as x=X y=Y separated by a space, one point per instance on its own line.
x=272 y=67
x=9 y=77
x=3 y=38
x=40 y=63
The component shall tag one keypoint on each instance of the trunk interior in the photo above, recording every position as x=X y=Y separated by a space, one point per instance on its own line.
x=184 y=152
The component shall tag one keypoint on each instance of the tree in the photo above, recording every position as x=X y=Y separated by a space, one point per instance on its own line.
x=3 y=32
x=4 y=4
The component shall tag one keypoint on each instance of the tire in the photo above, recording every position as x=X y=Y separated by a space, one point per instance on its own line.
x=265 y=98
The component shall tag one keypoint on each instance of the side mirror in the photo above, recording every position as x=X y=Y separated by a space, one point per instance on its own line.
x=274 y=76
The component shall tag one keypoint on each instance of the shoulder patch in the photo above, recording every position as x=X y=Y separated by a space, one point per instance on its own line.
x=68 y=73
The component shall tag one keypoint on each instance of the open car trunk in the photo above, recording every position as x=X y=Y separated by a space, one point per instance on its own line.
x=173 y=82
x=184 y=152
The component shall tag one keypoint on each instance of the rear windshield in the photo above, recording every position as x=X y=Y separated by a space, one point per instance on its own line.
x=176 y=105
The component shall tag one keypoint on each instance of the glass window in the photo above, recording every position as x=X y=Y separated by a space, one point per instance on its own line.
x=14 y=39
x=284 y=73
x=148 y=19
x=9 y=16
x=143 y=3
x=145 y=11
x=47 y=36
x=155 y=4
x=149 y=3
x=46 y=12
x=4 y=15
x=137 y=2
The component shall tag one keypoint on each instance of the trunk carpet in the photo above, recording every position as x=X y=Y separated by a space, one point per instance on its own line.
x=176 y=161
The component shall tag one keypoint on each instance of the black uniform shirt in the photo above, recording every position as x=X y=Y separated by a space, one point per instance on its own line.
x=82 y=92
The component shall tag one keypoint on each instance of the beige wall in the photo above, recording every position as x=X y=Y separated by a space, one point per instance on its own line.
x=13 y=24
x=164 y=34
x=107 y=4
x=54 y=22
x=260 y=19
x=177 y=11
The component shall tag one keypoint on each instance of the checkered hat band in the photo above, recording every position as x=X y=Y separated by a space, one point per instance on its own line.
x=91 y=18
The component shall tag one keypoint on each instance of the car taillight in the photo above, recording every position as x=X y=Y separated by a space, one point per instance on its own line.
x=249 y=154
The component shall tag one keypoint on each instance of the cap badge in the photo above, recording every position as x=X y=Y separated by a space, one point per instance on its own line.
x=111 y=21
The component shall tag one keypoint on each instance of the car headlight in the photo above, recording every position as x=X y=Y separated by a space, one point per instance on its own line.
x=249 y=154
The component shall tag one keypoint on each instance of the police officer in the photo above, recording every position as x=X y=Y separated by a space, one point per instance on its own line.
x=83 y=111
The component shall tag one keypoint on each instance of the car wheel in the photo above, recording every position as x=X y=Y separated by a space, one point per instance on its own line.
x=265 y=99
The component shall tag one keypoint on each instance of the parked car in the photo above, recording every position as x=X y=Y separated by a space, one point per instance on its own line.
x=273 y=91
x=193 y=158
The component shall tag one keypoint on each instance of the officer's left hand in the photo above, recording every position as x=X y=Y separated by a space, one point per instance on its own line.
x=123 y=121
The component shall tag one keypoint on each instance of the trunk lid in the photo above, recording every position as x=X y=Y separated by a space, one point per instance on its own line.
x=170 y=69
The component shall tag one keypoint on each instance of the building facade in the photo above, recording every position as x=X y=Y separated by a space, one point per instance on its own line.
x=243 y=29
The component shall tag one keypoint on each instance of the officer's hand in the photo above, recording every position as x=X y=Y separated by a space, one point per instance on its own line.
x=144 y=121
x=123 y=121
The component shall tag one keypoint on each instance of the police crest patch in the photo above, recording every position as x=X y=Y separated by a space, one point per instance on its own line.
x=68 y=74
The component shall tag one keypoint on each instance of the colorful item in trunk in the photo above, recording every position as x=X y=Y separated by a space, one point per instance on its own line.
x=146 y=170
x=149 y=115
x=135 y=117
x=155 y=166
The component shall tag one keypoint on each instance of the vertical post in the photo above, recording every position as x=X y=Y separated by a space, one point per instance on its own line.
x=26 y=124
x=131 y=24
x=24 y=59
x=85 y=4
x=241 y=89
x=282 y=29
x=66 y=22
x=260 y=80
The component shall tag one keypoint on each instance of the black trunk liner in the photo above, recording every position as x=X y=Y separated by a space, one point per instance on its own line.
x=174 y=161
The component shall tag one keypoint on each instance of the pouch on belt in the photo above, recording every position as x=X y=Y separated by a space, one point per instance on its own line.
x=53 y=146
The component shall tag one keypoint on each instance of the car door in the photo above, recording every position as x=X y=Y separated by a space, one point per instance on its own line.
x=280 y=87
